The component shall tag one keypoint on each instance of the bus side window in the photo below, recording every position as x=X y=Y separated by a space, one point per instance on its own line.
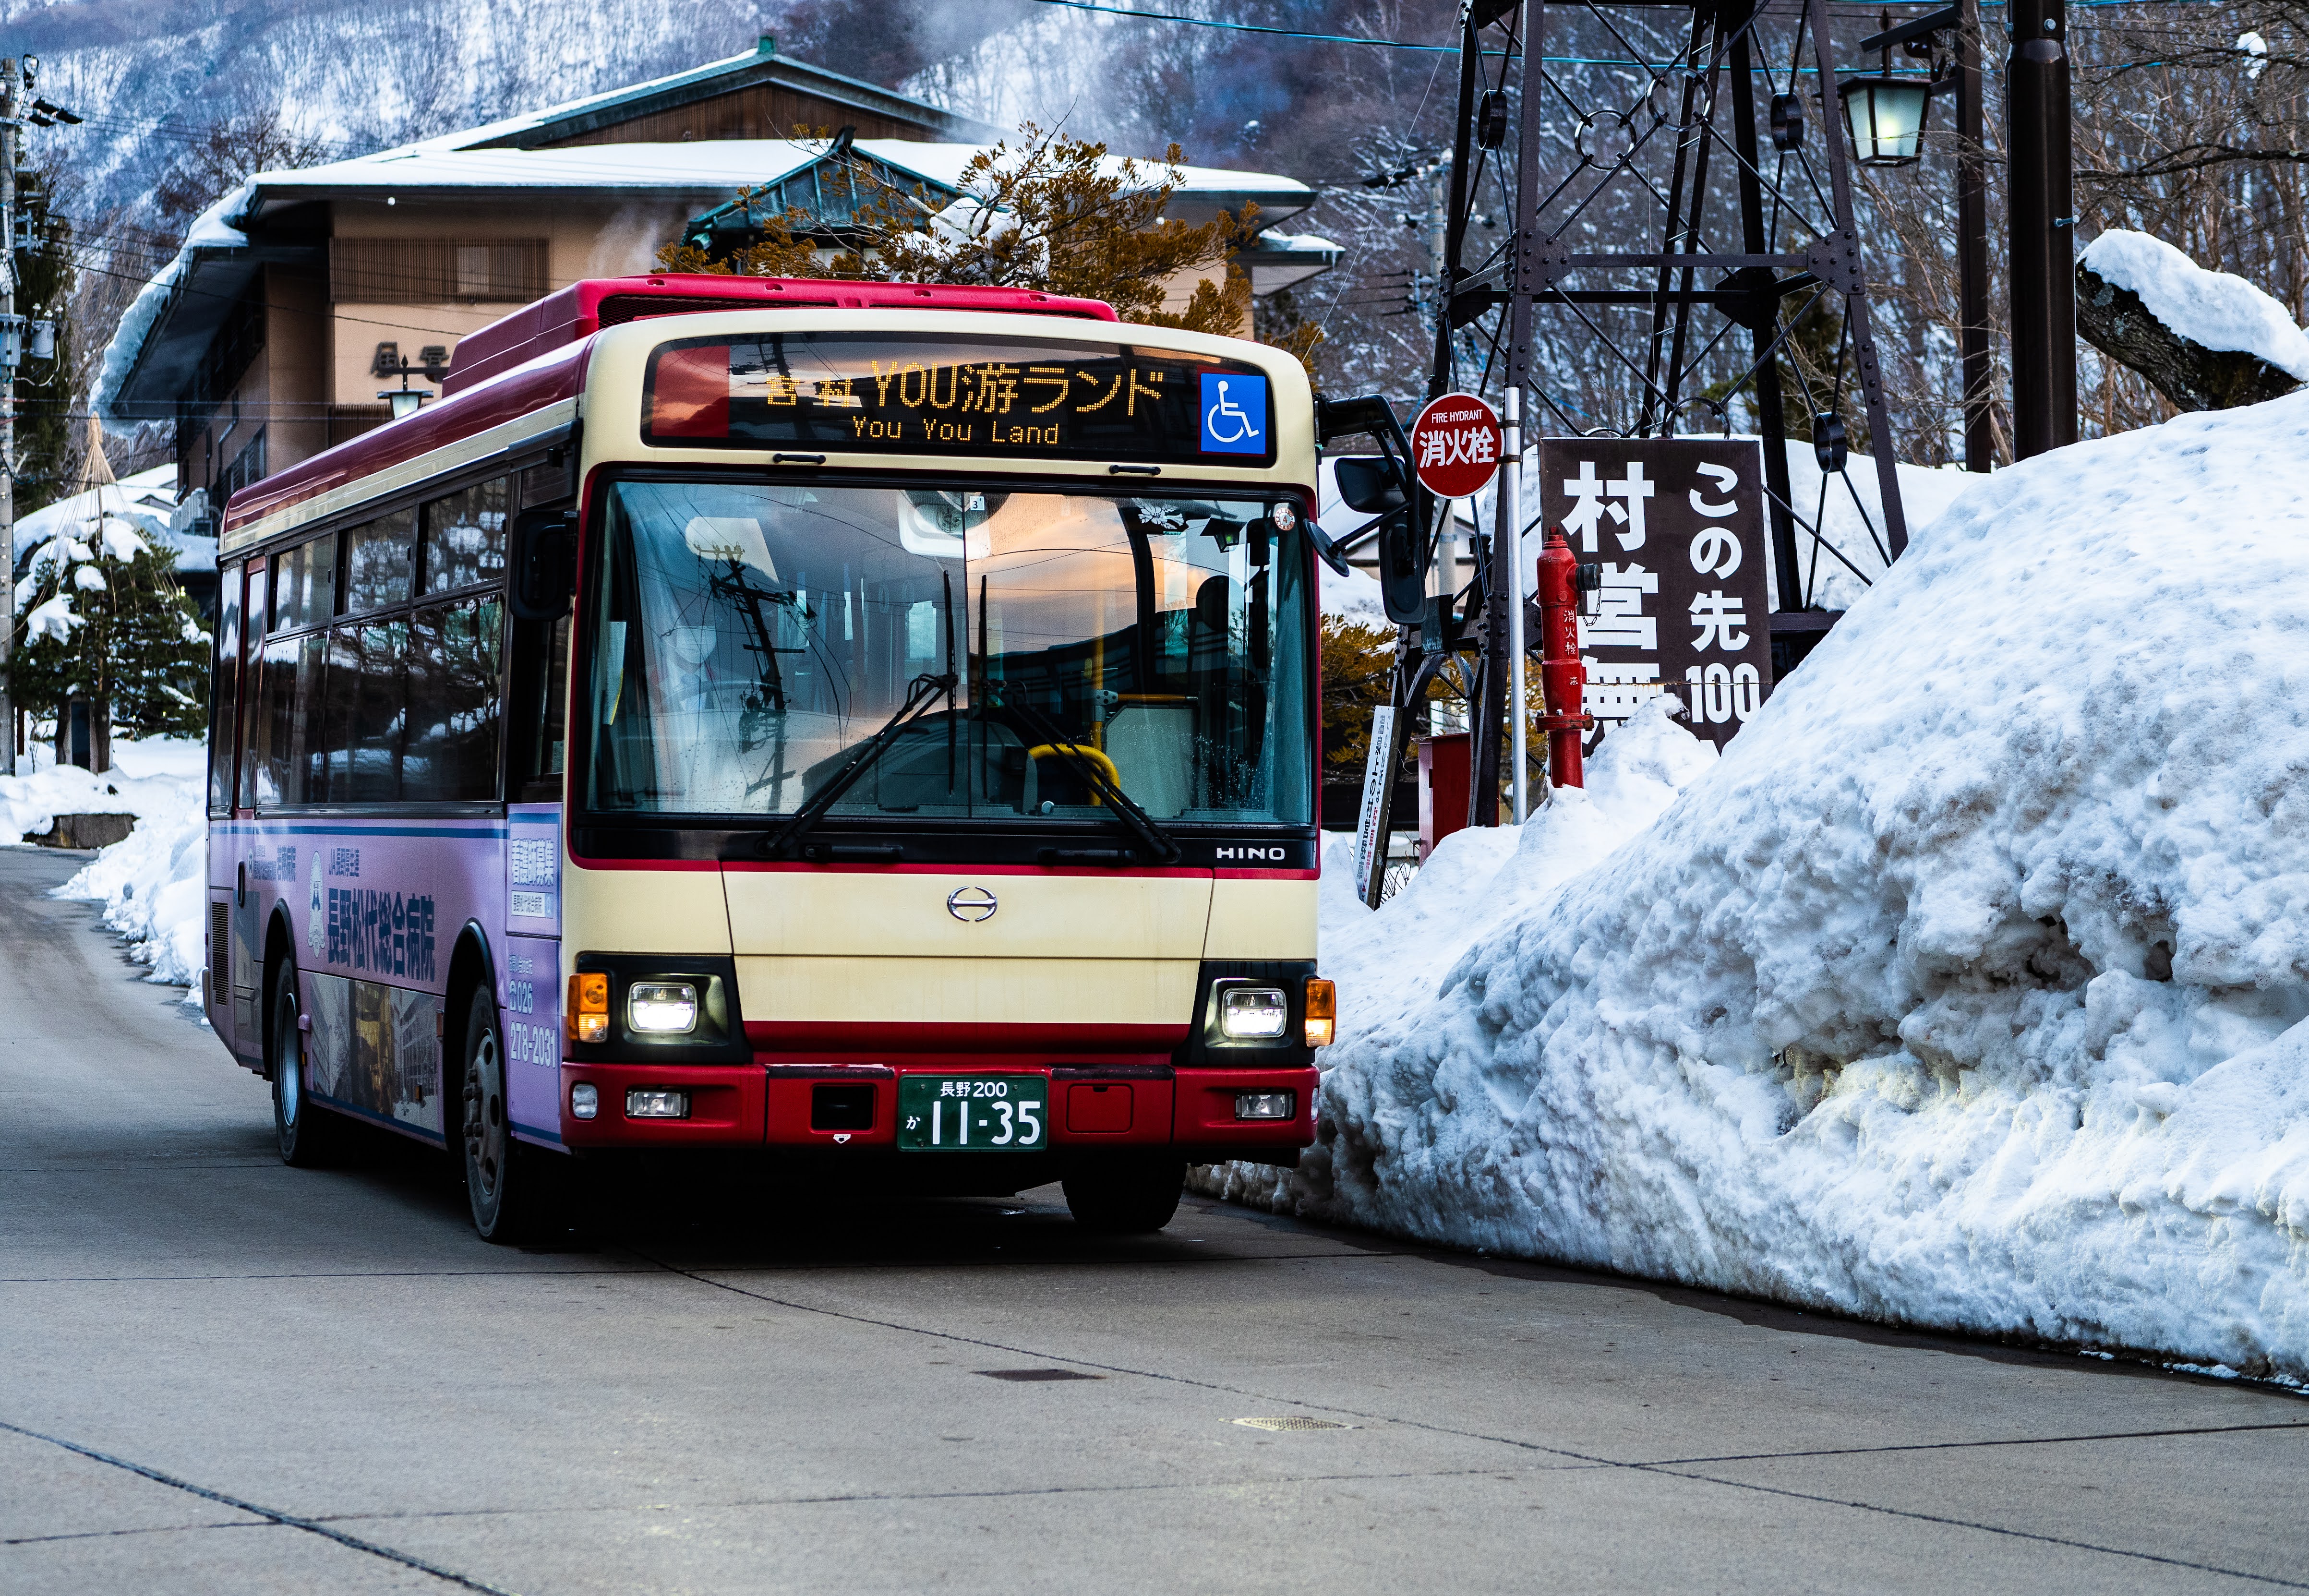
x=379 y=557
x=465 y=537
x=224 y=689
x=453 y=719
x=256 y=619
x=540 y=686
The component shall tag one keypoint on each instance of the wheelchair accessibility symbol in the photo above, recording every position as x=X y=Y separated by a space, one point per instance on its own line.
x=1234 y=413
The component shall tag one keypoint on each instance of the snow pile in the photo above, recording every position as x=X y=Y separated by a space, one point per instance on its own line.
x=151 y=884
x=1965 y=989
x=2212 y=309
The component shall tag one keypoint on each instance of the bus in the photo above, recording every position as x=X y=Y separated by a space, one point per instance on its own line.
x=872 y=726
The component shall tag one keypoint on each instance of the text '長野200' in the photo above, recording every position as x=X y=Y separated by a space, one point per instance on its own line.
x=1036 y=398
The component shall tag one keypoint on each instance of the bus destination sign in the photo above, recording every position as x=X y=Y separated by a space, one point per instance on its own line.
x=1031 y=398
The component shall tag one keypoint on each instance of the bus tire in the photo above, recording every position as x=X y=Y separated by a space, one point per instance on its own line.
x=309 y=1136
x=1125 y=1197
x=515 y=1195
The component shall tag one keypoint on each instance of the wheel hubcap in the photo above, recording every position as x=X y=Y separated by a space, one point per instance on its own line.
x=288 y=1065
x=484 y=1117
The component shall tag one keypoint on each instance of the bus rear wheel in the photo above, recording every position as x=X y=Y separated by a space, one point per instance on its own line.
x=309 y=1136
x=515 y=1195
x=1126 y=1196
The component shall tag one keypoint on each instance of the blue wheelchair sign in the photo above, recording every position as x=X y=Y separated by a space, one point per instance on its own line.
x=1234 y=413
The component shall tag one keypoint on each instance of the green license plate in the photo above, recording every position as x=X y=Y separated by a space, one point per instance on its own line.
x=973 y=1113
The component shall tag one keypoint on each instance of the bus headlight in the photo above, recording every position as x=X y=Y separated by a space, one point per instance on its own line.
x=584 y=1100
x=661 y=1008
x=1248 y=1013
x=1322 y=1011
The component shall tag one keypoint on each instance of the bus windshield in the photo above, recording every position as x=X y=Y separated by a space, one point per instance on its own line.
x=744 y=638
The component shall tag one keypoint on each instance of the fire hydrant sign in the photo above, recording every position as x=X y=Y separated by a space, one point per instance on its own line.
x=1454 y=445
x=1678 y=526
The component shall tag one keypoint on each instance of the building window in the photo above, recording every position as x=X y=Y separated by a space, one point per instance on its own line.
x=432 y=271
x=247 y=467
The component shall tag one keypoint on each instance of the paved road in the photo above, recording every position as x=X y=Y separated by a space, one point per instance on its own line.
x=218 y=1374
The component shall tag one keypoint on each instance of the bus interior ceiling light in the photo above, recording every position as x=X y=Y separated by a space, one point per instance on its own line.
x=1253 y=1012
x=661 y=1008
x=584 y=1100
x=1265 y=1104
x=1322 y=1011
x=655 y=1103
x=589 y=1008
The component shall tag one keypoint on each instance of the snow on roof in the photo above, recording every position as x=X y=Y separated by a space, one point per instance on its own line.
x=762 y=57
x=2213 y=309
x=210 y=230
x=715 y=166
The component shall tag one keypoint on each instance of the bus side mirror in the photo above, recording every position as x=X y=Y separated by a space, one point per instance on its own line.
x=1370 y=484
x=1403 y=568
x=544 y=560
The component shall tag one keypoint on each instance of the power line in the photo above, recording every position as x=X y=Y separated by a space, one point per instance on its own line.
x=1166 y=16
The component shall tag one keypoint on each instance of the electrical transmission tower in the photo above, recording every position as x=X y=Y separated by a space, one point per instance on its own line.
x=1682 y=212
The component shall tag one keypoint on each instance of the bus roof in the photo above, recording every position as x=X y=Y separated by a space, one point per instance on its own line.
x=584 y=308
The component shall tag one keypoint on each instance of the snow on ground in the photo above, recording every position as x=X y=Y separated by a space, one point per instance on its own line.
x=2213 y=309
x=1967 y=989
x=152 y=883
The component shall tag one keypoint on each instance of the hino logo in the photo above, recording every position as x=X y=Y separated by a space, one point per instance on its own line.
x=1273 y=855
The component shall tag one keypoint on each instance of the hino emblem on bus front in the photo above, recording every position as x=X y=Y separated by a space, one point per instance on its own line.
x=971 y=903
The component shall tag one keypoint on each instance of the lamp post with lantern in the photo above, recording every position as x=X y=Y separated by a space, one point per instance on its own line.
x=1886 y=116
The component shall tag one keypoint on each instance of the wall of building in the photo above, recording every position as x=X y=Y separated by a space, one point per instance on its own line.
x=587 y=236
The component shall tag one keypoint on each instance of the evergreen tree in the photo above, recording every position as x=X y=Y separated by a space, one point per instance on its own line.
x=44 y=388
x=1051 y=213
x=99 y=617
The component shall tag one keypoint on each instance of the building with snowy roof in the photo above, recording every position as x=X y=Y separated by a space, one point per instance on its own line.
x=300 y=299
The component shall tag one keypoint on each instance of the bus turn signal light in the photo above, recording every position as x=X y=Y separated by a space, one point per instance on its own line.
x=589 y=1008
x=1322 y=1011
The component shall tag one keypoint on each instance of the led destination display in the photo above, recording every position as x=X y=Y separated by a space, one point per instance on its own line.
x=992 y=396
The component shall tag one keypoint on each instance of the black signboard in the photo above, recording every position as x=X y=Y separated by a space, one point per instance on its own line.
x=880 y=393
x=1678 y=527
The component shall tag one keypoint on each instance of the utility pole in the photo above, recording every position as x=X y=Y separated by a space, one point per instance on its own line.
x=11 y=111
x=1972 y=243
x=2043 y=231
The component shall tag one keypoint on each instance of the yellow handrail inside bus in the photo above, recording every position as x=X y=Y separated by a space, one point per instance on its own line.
x=1096 y=756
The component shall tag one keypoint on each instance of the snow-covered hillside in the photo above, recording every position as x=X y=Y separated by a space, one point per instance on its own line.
x=1967 y=989
x=152 y=79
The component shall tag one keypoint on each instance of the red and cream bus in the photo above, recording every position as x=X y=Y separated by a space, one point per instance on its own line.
x=869 y=723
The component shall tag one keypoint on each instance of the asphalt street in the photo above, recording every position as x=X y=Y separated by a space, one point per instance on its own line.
x=219 y=1373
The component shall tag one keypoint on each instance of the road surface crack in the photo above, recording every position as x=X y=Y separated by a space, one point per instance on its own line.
x=269 y=1514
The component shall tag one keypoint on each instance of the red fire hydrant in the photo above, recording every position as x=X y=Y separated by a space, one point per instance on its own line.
x=1563 y=679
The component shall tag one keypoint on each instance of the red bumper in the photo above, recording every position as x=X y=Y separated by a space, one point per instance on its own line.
x=1141 y=1105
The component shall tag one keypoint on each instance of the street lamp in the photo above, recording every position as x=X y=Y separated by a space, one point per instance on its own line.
x=1887 y=118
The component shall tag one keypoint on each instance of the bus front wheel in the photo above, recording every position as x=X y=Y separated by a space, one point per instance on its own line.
x=513 y=1190
x=308 y=1135
x=1125 y=1197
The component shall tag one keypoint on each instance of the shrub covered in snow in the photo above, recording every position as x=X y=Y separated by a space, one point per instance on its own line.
x=1965 y=989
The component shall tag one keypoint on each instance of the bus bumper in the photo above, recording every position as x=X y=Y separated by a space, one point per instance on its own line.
x=1190 y=1112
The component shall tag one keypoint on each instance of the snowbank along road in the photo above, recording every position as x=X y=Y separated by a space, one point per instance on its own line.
x=1967 y=989
x=226 y=1374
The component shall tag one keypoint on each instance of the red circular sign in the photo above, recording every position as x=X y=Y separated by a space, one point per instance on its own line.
x=1454 y=445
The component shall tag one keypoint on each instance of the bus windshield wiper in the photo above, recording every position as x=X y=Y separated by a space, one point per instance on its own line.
x=922 y=691
x=1127 y=814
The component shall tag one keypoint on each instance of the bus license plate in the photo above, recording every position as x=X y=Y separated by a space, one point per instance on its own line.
x=973 y=1113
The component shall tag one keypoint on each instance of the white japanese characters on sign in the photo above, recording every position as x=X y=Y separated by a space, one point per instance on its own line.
x=1675 y=527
